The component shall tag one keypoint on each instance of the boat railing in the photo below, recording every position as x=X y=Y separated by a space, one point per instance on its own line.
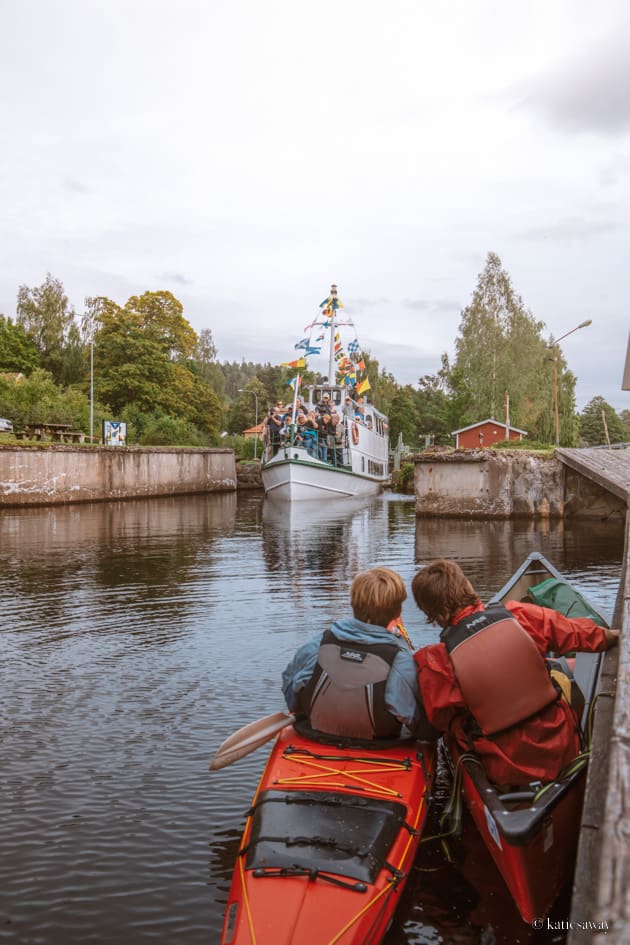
x=336 y=456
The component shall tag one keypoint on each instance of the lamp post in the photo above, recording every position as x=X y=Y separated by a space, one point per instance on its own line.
x=550 y=347
x=91 y=311
x=92 y=384
x=242 y=391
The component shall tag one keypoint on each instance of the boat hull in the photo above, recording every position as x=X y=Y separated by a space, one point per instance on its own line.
x=533 y=841
x=300 y=477
x=328 y=843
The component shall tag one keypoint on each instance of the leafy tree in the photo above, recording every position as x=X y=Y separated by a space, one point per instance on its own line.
x=206 y=364
x=145 y=358
x=47 y=317
x=170 y=431
x=432 y=409
x=37 y=399
x=625 y=419
x=17 y=350
x=500 y=350
x=592 y=429
x=242 y=414
x=403 y=416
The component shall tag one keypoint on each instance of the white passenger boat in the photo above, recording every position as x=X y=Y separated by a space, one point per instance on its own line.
x=357 y=464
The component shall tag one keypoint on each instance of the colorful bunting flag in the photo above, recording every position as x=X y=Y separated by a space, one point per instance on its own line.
x=353 y=347
x=363 y=386
x=310 y=351
x=331 y=302
x=300 y=363
x=294 y=381
x=361 y=365
x=301 y=344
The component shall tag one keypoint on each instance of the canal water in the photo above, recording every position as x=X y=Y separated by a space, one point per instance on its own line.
x=136 y=636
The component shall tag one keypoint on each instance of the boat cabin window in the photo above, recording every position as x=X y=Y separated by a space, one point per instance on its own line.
x=333 y=393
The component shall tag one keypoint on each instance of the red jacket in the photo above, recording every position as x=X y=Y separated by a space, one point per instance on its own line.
x=537 y=749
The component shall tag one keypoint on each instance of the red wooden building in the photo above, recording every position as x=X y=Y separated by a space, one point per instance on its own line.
x=485 y=433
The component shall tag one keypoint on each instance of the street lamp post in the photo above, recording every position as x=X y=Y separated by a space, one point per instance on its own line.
x=551 y=346
x=242 y=391
x=92 y=384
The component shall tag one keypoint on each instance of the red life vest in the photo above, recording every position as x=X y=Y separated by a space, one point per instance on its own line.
x=503 y=678
x=346 y=694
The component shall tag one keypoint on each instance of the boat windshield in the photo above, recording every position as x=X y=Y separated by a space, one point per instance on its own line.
x=334 y=393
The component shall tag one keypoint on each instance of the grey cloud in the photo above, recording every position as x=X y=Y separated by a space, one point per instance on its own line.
x=586 y=94
x=432 y=305
x=70 y=183
x=569 y=230
x=175 y=277
x=359 y=304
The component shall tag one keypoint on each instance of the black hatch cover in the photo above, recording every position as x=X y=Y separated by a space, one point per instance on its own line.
x=347 y=834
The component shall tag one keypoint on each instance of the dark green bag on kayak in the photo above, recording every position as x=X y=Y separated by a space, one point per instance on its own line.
x=560 y=596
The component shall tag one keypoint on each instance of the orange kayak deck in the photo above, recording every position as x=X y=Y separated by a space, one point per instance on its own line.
x=328 y=842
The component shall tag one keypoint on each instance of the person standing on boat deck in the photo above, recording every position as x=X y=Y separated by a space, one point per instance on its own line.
x=324 y=406
x=309 y=432
x=522 y=729
x=337 y=438
x=274 y=425
x=323 y=430
x=358 y=680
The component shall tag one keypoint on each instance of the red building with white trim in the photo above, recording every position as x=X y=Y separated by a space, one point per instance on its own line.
x=485 y=433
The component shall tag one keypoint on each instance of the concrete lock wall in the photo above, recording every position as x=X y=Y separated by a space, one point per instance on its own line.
x=61 y=474
x=488 y=484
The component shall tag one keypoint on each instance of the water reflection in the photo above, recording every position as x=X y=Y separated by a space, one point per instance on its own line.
x=137 y=635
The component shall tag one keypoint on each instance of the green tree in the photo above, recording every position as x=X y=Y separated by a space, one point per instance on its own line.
x=593 y=428
x=242 y=413
x=49 y=320
x=135 y=349
x=145 y=361
x=403 y=416
x=17 y=350
x=500 y=352
x=37 y=399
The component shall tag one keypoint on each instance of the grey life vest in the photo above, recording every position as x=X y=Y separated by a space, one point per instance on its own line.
x=503 y=677
x=345 y=696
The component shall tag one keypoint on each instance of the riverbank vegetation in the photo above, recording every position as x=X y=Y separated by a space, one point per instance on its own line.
x=151 y=369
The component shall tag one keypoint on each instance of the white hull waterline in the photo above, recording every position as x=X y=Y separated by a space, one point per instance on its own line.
x=300 y=476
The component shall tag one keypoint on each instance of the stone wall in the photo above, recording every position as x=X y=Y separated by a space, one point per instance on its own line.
x=488 y=484
x=507 y=484
x=46 y=475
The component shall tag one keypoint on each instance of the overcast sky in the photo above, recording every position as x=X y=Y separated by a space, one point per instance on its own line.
x=244 y=155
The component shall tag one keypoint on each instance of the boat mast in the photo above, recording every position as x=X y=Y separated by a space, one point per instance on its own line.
x=332 y=372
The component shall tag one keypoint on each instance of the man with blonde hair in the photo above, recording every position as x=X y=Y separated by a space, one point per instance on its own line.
x=358 y=680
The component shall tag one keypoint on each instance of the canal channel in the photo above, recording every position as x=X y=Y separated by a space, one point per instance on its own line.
x=137 y=635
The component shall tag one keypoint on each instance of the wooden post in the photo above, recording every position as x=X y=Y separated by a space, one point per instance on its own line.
x=602 y=876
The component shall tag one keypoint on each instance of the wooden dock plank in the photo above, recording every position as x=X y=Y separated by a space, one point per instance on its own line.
x=602 y=876
x=609 y=468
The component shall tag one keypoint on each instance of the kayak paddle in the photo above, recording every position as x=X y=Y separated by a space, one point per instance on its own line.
x=249 y=738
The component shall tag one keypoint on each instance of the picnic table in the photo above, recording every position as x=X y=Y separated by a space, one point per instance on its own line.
x=58 y=432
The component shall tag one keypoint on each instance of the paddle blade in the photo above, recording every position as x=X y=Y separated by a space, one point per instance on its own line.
x=249 y=738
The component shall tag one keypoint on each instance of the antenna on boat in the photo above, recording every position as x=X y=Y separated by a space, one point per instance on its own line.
x=332 y=370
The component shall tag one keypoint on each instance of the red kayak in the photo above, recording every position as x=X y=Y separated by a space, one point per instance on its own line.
x=532 y=832
x=329 y=842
